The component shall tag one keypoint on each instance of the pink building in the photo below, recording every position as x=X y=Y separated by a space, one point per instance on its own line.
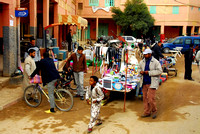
x=13 y=29
x=9 y=44
x=172 y=17
x=43 y=13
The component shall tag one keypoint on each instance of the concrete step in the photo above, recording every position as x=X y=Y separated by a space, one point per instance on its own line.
x=4 y=81
x=10 y=90
x=7 y=81
x=10 y=95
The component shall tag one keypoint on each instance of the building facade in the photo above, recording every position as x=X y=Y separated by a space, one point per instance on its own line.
x=9 y=41
x=176 y=17
x=16 y=30
x=43 y=13
x=172 y=17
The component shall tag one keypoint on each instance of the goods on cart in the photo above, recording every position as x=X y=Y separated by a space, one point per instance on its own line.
x=167 y=66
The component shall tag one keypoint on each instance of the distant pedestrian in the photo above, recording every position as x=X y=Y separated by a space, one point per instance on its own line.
x=148 y=42
x=153 y=39
x=29 y=67
x=69 y=40
x=94 y=95
x=188 y=63
x=150 y=71
x=79 y=68
x=49 y=77
x=157 y=52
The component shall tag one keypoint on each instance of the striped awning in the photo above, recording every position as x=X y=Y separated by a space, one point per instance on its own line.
x=73 y=20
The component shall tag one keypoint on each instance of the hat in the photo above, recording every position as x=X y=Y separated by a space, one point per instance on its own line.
x=147 y=51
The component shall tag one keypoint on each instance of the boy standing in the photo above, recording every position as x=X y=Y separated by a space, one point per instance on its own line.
x=96 y=95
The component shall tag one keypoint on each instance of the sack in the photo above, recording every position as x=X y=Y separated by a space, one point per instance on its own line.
x=36 y=79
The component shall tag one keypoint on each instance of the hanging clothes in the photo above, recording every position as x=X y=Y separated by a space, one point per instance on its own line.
x=111 y=56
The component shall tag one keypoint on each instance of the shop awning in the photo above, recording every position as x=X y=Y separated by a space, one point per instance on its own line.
x=74 y=20
x=70 y=20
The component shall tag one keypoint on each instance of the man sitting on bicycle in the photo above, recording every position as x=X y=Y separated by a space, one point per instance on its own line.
x=49 y=77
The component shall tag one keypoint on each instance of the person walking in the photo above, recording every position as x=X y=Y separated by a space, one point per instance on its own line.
x=49 y=75
x=157 y=52
x=79 y=67
x=96 y=95
x=29 y=67
x=32 y=45
x=150 y=70
x=188 y=63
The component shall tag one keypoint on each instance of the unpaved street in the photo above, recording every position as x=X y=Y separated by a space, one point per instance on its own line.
x=178 y=104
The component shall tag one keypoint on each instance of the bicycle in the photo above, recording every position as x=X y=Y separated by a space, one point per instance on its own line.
x=63 y=98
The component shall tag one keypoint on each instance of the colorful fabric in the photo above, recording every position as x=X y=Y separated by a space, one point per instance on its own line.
x=36 y=79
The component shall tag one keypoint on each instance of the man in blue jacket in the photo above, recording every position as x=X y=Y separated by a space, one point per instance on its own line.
x=49 y=77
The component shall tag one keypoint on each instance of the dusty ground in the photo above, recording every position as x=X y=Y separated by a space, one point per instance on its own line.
x=178 y=104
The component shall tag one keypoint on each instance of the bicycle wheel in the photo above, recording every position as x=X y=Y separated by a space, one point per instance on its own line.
x=63 y=100
x=32 y=96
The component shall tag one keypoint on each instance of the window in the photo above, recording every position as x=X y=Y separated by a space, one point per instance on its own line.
x=178 y=41
x=80 y=6
x=196 y=42
x=188 y=41
x=94 y=2
x=152 y=9
x=130 y=38
x=175 y=10
x=110 y=3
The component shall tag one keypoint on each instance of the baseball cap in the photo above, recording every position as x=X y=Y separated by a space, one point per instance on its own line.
x=147 y=51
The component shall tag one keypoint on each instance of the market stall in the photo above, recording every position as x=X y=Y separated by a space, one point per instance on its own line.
x=116 y=80
x=119 y=71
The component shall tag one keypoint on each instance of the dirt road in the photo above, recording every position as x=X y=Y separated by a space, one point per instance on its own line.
x=178 y=102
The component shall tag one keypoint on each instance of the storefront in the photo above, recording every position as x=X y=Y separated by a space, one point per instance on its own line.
x=77 y=24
